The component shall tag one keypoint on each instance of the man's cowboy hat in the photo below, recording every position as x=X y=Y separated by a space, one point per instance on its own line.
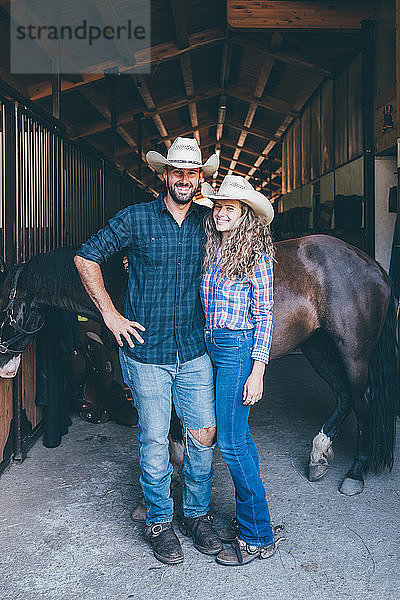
x=234 y=187
x=184 y=153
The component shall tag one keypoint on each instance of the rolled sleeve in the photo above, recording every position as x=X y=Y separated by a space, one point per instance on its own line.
x=261 y=308
x=117 y=234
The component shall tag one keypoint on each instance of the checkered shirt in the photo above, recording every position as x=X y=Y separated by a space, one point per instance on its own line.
x=241 y=304
x=164 y=277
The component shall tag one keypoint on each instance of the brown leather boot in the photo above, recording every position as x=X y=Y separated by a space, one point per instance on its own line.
x=166 y=546
x=204 y=537
x=241 y=553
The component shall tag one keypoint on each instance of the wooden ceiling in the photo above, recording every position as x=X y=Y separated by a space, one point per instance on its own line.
x=235 y=91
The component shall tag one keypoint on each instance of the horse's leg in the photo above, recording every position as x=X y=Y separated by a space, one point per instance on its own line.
x=353 y=482
x=324 y=357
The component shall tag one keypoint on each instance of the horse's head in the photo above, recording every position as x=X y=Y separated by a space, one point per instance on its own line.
x=21 y=318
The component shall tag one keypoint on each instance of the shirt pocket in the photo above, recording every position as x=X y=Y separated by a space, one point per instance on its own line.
x=198 y=255
x=154 y=251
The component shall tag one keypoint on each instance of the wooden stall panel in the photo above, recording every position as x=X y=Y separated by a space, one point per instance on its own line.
x=6 y=412
x=305 y=146
x=296 y=154
x=355 y=109
x=327 y=128
x=341 y=128
x=28 y=365
x=316 y=136
x=289 y=160
x=284 y=171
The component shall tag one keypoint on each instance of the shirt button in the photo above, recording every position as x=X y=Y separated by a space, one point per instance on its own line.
x=180 y=243
x=177 y=306
x=179 y=262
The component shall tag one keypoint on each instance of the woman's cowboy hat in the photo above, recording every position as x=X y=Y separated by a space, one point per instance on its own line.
x=234 y=187
x=184 y=153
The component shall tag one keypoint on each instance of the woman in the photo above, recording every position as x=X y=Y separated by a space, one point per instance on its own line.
x=236 y=293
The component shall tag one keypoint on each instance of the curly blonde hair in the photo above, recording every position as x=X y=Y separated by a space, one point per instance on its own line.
x=243 y=249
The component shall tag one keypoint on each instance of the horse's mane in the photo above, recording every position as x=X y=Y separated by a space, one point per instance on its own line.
x=53 y=279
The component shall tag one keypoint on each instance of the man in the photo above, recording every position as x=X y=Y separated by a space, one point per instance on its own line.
x=160 y=335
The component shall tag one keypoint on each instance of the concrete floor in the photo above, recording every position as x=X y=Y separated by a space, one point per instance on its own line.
x=66 y=531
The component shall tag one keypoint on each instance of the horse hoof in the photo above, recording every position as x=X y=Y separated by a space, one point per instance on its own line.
x=315 y=472
x=139 y=514
x=351 y=487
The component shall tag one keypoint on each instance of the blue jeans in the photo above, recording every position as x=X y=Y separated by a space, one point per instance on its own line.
x=230 y=353
x=190 y=387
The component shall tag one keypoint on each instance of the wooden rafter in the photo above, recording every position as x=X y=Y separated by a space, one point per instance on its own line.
x=109 y=16
x=147 y=98
x=268 y=102
x=264 y=74
x=186 y=67
x=159 y=53
x=22 y=14
x=263 y=134
x=295 y=14
x=242 y=148
x=306 y=92
x=180 y=132
x=292 y=58
x=98 y=103
x=178 y=8
x=173 y=103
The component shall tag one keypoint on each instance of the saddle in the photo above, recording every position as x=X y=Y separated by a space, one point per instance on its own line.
x=97 y=396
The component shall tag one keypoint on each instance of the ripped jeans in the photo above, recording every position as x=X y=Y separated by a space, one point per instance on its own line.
x=190 y=386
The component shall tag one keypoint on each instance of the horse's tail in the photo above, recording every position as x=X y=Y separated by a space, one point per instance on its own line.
x=383 y=393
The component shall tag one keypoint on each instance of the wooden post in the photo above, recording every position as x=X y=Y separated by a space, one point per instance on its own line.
x=397 y=232
x=368 y=93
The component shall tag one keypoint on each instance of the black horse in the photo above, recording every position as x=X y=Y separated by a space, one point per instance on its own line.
x=331 y=300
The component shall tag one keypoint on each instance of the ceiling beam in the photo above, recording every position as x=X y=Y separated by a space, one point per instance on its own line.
x=259 y=133
x=147 y=98
x=225 y=68
x=266 y=66
x=159 y=53
x=243 y=173
x=178 y=8
x=310 y=87
x=247 y=41
x=172 y=104
x=268 y=102
x=22 y=13
x=10 y=81
x=187 y=74
x=239 y=162
x=234 y=170
x=181 y=132
x=242 y=149
x=98 y=103
x=295 y=14
x=109 y=16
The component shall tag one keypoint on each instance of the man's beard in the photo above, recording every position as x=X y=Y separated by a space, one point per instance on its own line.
x=181 y=198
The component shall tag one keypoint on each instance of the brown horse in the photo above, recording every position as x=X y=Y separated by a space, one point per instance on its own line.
x=331 y=300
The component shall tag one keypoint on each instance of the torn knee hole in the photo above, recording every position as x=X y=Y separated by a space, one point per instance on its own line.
x=205 y=436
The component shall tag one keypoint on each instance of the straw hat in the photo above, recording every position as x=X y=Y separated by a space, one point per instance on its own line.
x=234 y=187
x=184 y=153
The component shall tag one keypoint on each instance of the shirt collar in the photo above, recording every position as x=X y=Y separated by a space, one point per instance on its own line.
x=161 y=207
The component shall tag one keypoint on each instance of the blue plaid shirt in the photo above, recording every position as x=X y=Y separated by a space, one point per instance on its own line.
x=164 y=277
x=241 y=304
